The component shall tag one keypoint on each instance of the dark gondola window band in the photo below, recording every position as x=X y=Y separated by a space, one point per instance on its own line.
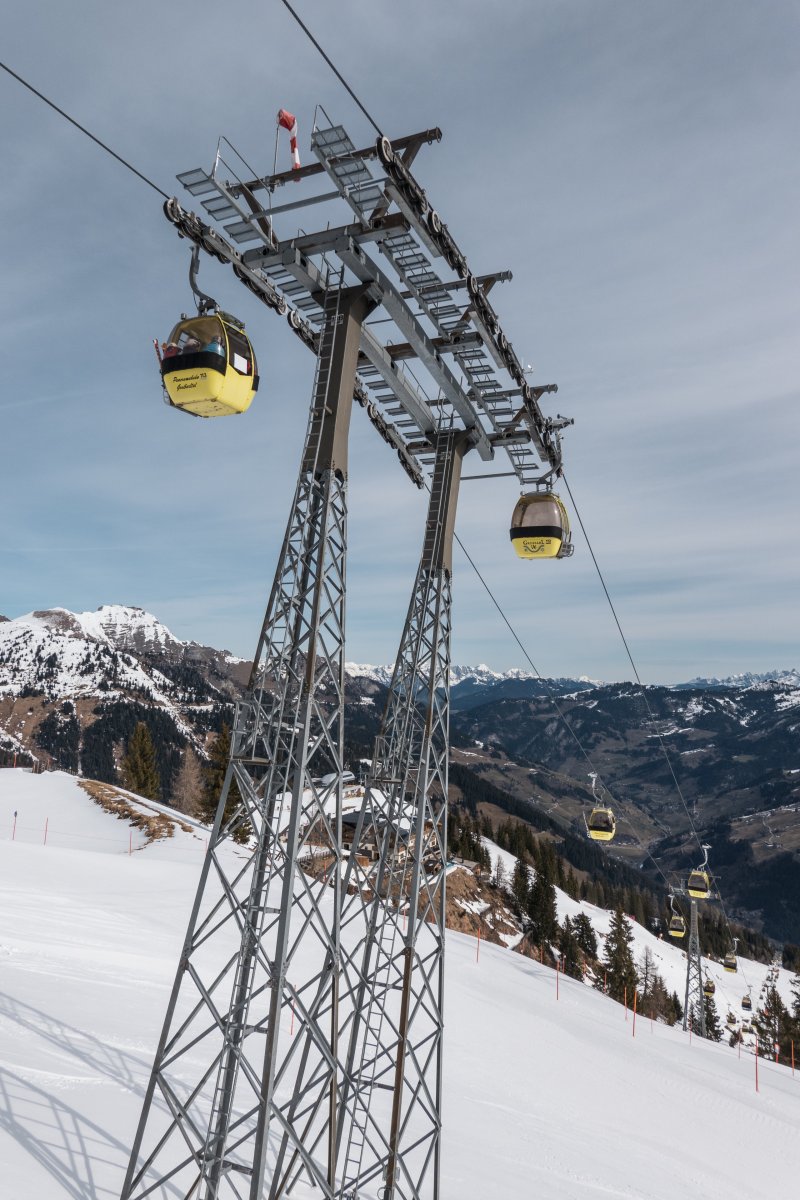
x=205 y=359
x=541 y=531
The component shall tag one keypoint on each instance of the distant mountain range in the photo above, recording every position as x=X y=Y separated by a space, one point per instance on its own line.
x=73 y=686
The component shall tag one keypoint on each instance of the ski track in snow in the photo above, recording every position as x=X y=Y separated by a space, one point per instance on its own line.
x=542 y=1097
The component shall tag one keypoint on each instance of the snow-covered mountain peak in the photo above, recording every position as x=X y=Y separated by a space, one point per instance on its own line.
x=748 y=679
x=127 y=627
x=458 y=674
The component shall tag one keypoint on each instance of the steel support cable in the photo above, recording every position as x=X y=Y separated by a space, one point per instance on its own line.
x=83 y=129
x=643 y=694
x=332 y=66
x=559 y=710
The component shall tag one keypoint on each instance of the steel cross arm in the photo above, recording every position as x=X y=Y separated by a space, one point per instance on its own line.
x=464 y=341
x=486 y=281
x=496 y=439
x=411 y=142
x=388 y=295
x=325 y=239
x=413 y=402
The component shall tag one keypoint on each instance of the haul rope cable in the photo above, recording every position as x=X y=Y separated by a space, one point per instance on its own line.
x=646 y=702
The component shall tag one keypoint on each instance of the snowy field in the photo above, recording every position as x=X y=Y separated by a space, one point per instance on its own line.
x=544 y=1095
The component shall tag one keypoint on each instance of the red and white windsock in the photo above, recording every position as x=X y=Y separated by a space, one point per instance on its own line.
x=288 y=121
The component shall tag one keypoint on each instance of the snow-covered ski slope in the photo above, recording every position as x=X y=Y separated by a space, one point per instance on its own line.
x=669 y=955
x=544 y=1097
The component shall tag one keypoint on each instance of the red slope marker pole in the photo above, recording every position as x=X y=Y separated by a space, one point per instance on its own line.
x=777 y=1050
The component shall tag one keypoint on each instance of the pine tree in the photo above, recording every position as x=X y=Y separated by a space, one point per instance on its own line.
x=542 y=910
x=796 y=997
x=187 y=790
x=520 y=885
x=713 y=1031
x=773 y=1024
x=618 y=959
x=585 y=934
x=214 y=774
x=139 y=771
x=647 y=973
x=571 y=957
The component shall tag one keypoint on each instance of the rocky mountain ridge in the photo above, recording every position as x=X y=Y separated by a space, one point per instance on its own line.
x=73 y=686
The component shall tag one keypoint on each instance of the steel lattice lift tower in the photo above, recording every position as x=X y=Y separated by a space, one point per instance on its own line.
x=694 y=1001
x=301 y=1052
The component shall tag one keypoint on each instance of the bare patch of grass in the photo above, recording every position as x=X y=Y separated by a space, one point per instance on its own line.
x=154 y=825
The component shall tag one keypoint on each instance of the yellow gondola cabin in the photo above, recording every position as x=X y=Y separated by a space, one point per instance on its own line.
x=601 y=824
x=699 y=885
x=540 y=527
x=208 y=367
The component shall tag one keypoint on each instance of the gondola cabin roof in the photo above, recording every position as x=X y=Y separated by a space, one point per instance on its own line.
x=208 y=366
x=540 y=526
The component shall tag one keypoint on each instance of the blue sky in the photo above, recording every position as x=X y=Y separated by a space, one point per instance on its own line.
x=634 y=164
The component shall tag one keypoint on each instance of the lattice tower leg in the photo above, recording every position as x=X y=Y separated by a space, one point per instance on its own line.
x=694 y=1001
x=390 y=1112
x=237 y=1095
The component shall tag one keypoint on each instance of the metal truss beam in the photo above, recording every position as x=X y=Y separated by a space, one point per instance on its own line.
x=236 y=1104
x=409 y=145
x=398 y=350
x=354 y=257
x=390 y=1110
x=324 y=240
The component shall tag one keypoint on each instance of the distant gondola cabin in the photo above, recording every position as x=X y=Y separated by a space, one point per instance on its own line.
x=699 y=885
x=677 y=927
x=540 y=526
x=601 y=824
x=208 y=366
